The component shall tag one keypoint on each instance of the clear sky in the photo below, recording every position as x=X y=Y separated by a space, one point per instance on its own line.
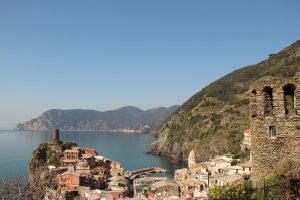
x=103 y=55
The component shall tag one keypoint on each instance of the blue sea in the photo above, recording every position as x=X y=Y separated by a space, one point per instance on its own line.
x=130 y=149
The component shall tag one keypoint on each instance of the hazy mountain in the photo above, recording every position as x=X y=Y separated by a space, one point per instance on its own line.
x=125 y=117
x=213 y=120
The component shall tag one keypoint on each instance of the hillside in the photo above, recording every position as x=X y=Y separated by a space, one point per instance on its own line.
x=212 y=121
x=80 y=120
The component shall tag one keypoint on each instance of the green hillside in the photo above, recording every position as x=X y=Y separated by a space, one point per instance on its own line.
x=213 y=120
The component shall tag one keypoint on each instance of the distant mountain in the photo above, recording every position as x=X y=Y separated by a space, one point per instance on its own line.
x=213 y=120
x=125 y=118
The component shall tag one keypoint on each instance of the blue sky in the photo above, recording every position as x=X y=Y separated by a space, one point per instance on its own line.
x=106 y=54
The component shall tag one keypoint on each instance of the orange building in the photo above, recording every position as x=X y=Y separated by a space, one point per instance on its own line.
x=69 y=181
x=90 y=151
x=71 y=154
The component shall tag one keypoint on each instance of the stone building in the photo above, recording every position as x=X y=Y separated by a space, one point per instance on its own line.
x=275 y=122
x=56 y=144
x=192 y=159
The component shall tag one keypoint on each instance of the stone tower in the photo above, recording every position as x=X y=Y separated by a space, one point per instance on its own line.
x=192 y=159
x=275 y=122
x=55 y=134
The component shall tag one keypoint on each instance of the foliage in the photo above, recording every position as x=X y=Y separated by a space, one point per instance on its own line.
x=69 y=145
x=242 y=191
x=33 y=188
x=287 y=178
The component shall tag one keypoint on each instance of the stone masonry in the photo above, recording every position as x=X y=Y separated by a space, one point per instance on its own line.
x=275 y=122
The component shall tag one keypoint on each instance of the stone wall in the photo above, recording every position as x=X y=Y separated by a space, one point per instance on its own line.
x=275 y=122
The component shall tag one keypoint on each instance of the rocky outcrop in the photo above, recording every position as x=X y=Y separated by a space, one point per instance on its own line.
x=213 y=120
x=81 y=120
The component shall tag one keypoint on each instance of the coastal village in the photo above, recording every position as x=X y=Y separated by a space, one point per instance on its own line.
x=84 y=174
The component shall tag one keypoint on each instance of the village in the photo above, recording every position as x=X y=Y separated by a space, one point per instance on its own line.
x=87 y=175
x=84 y=174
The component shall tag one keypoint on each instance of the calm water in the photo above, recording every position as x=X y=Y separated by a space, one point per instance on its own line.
x=129 y=149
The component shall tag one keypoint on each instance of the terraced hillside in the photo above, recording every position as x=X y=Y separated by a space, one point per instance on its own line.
x=212 y=121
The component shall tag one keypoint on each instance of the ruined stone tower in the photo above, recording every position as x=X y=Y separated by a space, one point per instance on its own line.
x=55 y=134
x=275 y=122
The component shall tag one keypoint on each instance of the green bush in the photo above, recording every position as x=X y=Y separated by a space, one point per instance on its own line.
x=243 y=191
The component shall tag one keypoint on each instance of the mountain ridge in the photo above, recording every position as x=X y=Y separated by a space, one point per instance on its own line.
x=128 y=117
x=212 y=121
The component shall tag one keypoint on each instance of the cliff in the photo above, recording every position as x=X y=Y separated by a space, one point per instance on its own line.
x=81 y=120
x=213 y=120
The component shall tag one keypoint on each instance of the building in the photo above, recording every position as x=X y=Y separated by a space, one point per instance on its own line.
x=116 y=169
x=274 y=120
x=70 y=154
x=140 y=185
x=246 y=142
x=163 y=189
x=68 y=163
x=215 y=166
x=69 y=181
x=56 y=144
x=192 y=159
x=228 y=179
x=90 y=151
x=247 y=167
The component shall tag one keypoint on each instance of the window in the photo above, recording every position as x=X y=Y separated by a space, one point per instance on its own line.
x=272 y=131
x=253 y=95
x=250 y=169
x=268 y=100
x=289 y=99
x=201 y=188
x=253 y=101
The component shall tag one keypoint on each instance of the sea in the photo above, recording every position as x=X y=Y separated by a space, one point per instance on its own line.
x=129 y=149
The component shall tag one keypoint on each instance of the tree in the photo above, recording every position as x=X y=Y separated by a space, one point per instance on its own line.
x=39 y=185
x=243 y=191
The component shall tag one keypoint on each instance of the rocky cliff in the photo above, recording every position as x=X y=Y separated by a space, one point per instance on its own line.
x=212 y=121
x=80 y=120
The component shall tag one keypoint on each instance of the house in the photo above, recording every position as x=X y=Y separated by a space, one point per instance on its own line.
x=118 y=192
x=216 y=165
x=163 y=189
x=69 y=181
x=228 y=179
x=119 y=181
x=116 y=169
x=98 y=195
x=68 y=163
x=181 y=175
x=72 y=181
x=70 y=154
x=140 y=184
x=193 y=188
x=247 y=167
x=246 y=143
x=234 y=170
x=90 y=151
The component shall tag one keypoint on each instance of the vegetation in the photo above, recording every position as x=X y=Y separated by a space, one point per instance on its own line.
x=37 y=186
x=242 y=191
x=43 y=155
x=282 y=184
x=213 y=120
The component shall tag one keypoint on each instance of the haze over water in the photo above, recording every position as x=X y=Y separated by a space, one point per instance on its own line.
x=129 y=149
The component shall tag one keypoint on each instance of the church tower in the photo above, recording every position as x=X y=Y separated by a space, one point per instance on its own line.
x=192 y=159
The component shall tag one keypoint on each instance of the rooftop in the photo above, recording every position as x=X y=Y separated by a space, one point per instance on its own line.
x=230 y=178
x=246 y=164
